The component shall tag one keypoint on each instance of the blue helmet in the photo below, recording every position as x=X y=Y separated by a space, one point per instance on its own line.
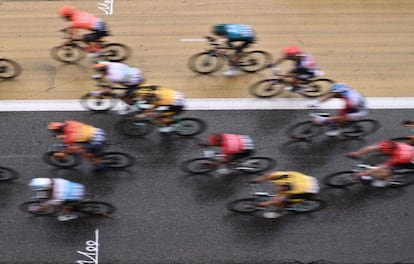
x=339 y=88
x=39 y=184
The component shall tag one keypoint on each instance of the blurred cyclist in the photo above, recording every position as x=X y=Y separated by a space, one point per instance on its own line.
x=79 y=136
x=85 y=21
x=119 y=73
x=355 y=107
x=305 y=66
x=59 y=193
x=235 y=33
x=400 y=154
x=290 y=185
x=162 y=104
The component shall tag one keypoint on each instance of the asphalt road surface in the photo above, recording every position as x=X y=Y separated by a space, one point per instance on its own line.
x=166 y=216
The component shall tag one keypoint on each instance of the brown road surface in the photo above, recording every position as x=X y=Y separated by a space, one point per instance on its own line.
x=366 y=43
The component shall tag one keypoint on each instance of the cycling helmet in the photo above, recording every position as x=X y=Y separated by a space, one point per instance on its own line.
x=292 y=51
x=101 y=66
x=387 y=146
x=66 y=11
x=219 y=29
x=215 y=140
x=339 y=88
x=39 y=184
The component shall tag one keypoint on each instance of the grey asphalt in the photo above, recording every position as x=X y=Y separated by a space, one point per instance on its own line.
x=166 y=216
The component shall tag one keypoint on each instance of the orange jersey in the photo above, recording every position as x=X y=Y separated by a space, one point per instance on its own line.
x=84 y=20
x=77 y=132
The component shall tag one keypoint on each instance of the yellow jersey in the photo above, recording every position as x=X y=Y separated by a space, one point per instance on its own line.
x=300 y=183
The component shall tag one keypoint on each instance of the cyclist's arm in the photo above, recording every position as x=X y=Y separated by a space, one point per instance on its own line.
x=365 y=150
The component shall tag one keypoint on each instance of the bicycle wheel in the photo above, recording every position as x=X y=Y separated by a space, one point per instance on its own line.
x=189 y=126
x=361 y=128
x=94 y=208
x=117 y=160
x=98 y=103
x=267 y=88
x=68 y=53
x=205 y=63
x=316 y=88
x=400 y=179
x=306 y=206
x=28 y=208
x=253 y=61
x=9 y=69
x=135 y=127
x=340 y=179
x=116 y=52
x=67 y=161
x=304 y=131
x=243 y=206
x=8 y=174
x=198 y=165
x=257 y=164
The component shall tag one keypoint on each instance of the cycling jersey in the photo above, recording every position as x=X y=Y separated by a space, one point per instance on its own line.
x=403 y=154
x=121 y=73
x=234 y=144
x=354 y=102
x=300 y=183
x=77 y=132
x=84 y=20
x=168 y=97
x=307 y=61
x=66 y=191
x=238 y=32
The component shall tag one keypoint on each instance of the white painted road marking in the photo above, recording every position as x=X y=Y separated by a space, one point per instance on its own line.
x=92 y=248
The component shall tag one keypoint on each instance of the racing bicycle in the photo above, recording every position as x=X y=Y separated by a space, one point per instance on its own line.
x=9 y=69
x=307 y=130
x=248 y=205
x=279 y=83
x=76 y=50
x=62 y=157
x=8 y=174
x=213 y=59
x=212 y=163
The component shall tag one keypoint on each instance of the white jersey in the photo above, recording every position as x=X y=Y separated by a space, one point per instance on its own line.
x=121 y=73
x=64 y=190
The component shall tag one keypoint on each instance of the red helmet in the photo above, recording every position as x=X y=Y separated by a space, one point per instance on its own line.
x=387 y=146
x=292 y=51
x=215 y=140
x=66 y=11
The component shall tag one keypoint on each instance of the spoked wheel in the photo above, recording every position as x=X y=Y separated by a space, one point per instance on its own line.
x=135 y=127
x=361 y=128
x=243 y=206
x=60 y=159
x=340 y=179
x=304 y=131
x=31 y=208
x=198 y=165
x=9 y=69
x=99 y=102
x=401 y=179
x=267 y=88
x=68 y=53
x=253 y=61
x=95 y=208
x=189 y=126
x=117 y=160
x=205 y=63
x=116 y=52
x=316 y=88
x=8 y=174
x=306 y=206
x=257 y=164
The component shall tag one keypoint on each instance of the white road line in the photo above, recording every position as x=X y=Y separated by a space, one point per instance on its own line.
x=216 y=104
x=193 y=40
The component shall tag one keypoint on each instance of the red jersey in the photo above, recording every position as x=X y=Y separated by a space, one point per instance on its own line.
x=84 y=20
x=234 y=144
x=403 y=154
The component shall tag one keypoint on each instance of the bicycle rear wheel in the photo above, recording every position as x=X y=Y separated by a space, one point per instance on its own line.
x=316 y=88
x=98 y=103
x=361 y=128
x=8 y=174
x=205 y=63
x=243 y=206
x=304 y=131
x=94 y=208
x=9 y=69
x=267 y=88
x=189 y=126
x=117 y=160
x=116 y=52
x=401 y=179
x=198 y=165
x=67 y=161
x=306 y=206
x=340 y=179
x=253 y=61
x=28 y=208
x=68 y=53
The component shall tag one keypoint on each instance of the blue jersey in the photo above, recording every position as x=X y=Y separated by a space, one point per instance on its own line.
x=238 y=32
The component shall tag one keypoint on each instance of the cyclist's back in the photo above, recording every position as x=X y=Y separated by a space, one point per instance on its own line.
x=299 y=182
x=67 y=191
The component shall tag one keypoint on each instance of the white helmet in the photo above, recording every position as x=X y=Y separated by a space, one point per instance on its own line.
x=38 y=184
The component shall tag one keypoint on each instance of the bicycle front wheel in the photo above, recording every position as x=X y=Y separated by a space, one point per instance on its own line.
x=117 y=160
x=68 y=53
x=116 y=52
x=189 y=126
x=306 y=206
x=198 y=165
x=9 y=69
x=95 y=208
x=66 y=161
x=8 y=174
x=361 y=128
x=28 y=208
x=304 y=131
x=243 y=206
x=253 y=61
x=267 y=88
x=257 y=164
x=316 y=88
x=205 y=63
x=98 y=103
x=340 y=179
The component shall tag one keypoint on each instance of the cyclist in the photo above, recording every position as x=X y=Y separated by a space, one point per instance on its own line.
x=235 y=33
x=305 y=66
x=119 y=73
x=79 y=136
x=355 y=107
x=400 y=154
x=59 y=193
x=85 y=21
x=290 y=185
x=162 y=104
